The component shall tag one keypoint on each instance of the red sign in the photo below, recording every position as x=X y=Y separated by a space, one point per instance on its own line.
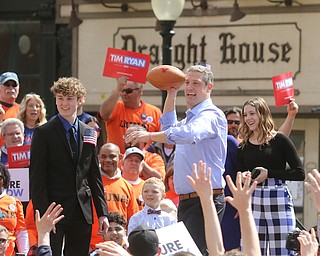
x=126 y=63
x=19 y=156
x=283 y=89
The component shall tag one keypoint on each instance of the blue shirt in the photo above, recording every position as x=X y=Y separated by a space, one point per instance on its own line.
x=67 y=126
x=28 y=133
x=4 y=155
x=202 y=135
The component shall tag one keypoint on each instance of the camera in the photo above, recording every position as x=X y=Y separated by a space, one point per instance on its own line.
x=292 y=242
x=255 y=173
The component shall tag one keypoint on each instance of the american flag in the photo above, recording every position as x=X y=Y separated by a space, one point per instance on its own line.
x=90 y=136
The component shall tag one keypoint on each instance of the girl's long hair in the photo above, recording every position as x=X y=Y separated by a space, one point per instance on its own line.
x=265 y=127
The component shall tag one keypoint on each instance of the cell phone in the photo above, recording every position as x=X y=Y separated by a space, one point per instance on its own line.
x=255 y=173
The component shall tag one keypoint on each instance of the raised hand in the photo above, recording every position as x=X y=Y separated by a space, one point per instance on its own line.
x=313 y=186
x=241 y=192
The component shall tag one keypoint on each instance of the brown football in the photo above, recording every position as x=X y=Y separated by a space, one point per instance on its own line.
x=164 y=77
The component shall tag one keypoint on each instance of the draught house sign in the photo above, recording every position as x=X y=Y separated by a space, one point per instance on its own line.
x=240 y=52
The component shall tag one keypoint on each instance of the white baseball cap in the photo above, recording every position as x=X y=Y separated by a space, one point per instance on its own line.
x=133 y=150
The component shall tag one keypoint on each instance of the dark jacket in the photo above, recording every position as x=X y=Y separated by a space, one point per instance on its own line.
x=54 y=177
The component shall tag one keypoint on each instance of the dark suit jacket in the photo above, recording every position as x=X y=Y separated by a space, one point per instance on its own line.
x=54 y=177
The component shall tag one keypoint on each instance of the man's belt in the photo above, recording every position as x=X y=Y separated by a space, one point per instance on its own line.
x=194 y=194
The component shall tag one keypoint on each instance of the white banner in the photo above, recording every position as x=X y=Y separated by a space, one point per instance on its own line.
x=176 y=238
x=19 y=184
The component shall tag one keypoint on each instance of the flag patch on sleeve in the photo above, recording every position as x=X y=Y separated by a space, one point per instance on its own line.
x=90 y=136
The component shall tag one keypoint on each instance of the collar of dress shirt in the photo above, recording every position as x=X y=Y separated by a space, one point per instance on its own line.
x=197 y=109
x=67 y=125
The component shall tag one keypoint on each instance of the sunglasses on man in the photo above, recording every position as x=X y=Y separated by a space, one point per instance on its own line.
x=237 y=122
x=8 y=84
x=129 y=90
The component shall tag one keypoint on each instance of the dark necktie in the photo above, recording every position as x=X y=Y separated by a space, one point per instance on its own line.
x=73 y=145
x=151 y=211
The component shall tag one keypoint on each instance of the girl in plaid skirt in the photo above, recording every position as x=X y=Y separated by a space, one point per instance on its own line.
x=270 y=152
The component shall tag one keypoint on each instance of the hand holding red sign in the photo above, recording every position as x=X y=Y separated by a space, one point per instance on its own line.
x=126 y=63
x=283 y=89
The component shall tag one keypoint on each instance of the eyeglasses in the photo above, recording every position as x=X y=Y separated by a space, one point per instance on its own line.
x=1 y=178
x=129 y=90
x=3 y=240
x=237 y=122
x=8 y=84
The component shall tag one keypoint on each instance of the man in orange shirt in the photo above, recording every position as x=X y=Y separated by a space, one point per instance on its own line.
x=132 y=110
x=9 y=91
x=131 y=169
x=118 y=192
x=153 y=164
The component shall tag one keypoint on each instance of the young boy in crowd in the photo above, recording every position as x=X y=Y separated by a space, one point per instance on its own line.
x=151 y=215
x=116 y=231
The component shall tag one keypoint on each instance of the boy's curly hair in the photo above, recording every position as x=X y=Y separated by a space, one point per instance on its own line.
x=68 y=86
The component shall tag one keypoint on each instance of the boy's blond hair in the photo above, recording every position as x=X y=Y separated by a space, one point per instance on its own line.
x=68 y=86
x=155 y=181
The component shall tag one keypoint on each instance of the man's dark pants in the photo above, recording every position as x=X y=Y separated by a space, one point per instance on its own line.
x=77 y=234
x=190 y=212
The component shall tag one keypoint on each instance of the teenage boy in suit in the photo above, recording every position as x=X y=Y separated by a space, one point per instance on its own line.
x=64 y=169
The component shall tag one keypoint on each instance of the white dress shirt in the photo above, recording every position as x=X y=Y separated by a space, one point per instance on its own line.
x=153 y=220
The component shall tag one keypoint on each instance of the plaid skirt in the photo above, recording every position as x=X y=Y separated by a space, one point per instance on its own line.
x=272 y=208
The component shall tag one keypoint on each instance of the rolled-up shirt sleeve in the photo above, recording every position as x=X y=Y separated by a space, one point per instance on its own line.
x=168 y=119
x=194 y=131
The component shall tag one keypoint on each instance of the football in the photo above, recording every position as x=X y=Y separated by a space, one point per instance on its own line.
x=164 y=77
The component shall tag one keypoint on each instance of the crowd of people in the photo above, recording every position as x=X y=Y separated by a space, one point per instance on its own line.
x=118 y=177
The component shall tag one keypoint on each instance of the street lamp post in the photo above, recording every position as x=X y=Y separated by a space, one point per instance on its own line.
x=167 y=12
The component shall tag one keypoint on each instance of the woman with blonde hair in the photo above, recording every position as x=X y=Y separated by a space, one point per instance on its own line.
x=32 y=113
x=275 y=160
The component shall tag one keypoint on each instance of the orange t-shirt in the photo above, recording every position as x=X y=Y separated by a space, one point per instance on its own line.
x=156 y=162
x=173 y=196
x=122 y=117
x=31 y=225
x=10 y=112
x=120 y=197
x=11 y=217
x=137 y=191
